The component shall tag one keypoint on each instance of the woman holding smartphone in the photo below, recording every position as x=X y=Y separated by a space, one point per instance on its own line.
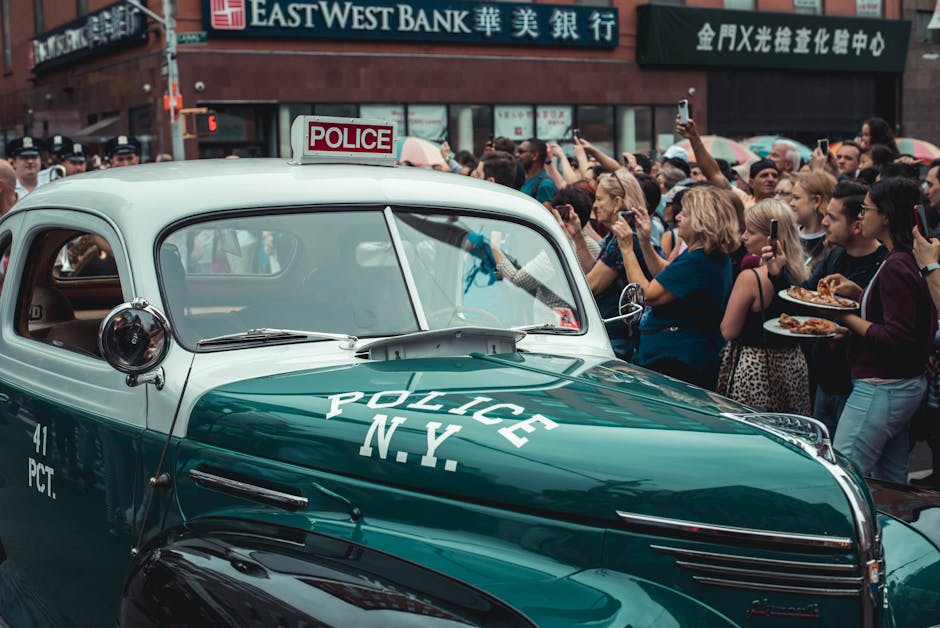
x=760 y=369
x=891 y=338
x=680 y=335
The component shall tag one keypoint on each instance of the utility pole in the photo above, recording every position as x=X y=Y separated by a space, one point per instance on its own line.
x=168 y=22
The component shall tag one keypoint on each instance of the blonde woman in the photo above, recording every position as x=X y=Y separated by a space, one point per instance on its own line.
x=616 y=192
x=809 y=200
x=680 y=335
x=759 y=369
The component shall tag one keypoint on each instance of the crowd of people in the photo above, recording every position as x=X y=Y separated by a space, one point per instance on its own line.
x=714 y=246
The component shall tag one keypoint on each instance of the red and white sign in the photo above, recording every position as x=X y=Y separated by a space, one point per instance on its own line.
x=351 y=140
x=228 y=15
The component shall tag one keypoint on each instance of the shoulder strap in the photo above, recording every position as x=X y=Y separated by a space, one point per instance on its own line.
x=539 y=180
x=760 y=295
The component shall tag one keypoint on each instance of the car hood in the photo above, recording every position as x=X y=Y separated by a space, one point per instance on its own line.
x=573 y=438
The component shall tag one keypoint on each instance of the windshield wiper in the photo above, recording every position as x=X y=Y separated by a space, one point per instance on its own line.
x=264 y=335
x=546 y=328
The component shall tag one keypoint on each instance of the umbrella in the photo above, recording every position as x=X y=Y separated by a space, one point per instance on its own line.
x=762 y=144
x=924 y=151
x=722 y=148
x=418 y=151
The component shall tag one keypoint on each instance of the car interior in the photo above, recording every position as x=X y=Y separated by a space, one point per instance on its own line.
x=69 y=286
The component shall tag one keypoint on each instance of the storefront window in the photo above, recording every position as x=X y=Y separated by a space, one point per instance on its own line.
x=665 y=121
x=635 y=129
x=740 y=5
x=392 y=113
x=596 y=124
x=808 y=7
x=469 y=126
x=335 y=110
x=554 y=122
x=514 y=121
x=427 y=121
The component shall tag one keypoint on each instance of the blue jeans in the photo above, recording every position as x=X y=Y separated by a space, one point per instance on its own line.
x=873 y=427
x=828 y=408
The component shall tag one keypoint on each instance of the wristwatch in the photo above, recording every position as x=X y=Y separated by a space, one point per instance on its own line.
x=929 y=268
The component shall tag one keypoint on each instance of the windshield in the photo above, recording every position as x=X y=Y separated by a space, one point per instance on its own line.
x=344 y=272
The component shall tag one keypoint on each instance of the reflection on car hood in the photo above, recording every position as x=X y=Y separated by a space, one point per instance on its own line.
x=564 y=437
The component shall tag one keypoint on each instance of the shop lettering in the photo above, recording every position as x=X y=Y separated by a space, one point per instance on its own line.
x=379 y=436
x=784 y=40
x=515 y=23
x=118 y=23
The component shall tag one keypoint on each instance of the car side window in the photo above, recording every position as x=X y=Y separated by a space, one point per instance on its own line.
x=70 y=283
x=6 y=245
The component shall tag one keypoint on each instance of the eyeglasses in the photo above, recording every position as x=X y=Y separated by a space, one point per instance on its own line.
x=783 y=194
x=522 y=152
x=867 y=208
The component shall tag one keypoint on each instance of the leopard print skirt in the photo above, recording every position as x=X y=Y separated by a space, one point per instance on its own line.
x=773 y=380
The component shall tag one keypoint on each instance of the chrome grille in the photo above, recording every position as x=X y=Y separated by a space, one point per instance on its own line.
x=766 y=574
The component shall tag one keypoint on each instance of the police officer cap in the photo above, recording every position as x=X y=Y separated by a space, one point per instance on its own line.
x=26 y=146
x=59 y=143
x=122 y=144
x=72 y=152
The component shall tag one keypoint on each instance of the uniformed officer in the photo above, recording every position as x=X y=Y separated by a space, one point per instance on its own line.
x=56 y=169
x=25 y=154
x=123 y=150
x=72 y=157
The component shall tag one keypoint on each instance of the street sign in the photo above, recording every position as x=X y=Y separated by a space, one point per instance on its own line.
x=193 y=38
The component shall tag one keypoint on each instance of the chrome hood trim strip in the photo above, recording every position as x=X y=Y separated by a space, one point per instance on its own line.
x=771 y=537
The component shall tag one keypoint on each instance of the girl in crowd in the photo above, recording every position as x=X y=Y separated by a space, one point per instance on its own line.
x=809 y=199
x=616 y=192
x=878 y=131
x=759 y=369
x=679 y=334
x=890 y=338
x=784 y=189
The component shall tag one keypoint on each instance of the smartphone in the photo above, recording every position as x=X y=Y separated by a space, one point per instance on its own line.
x=576 y=133
x=823 y=145
x=564 y=211
x=630 y=216
x=773 y=234
x=920 y=217
x=685 y=111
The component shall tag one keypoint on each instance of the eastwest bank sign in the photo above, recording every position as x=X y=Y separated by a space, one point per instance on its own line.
x=693 y=37
x=415 y=20
x=116 y=26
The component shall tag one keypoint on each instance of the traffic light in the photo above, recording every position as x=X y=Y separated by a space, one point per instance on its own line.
x=199 y=122
x=206 y=123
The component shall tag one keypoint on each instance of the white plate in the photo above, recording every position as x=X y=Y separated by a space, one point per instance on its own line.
x=783 y=294
x=773 y=326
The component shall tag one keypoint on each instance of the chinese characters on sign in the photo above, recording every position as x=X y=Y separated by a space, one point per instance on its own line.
x=113 y=26
x=417 y=20
x=696 y=37
x=783 y=40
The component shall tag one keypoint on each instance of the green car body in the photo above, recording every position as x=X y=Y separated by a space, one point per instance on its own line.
x=455 y=472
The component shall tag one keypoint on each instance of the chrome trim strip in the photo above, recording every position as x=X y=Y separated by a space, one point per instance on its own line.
x=855 y=581
x=734 y=584
x=249 y=491
x=866 y=524
x=753 y=560
x=398 y=245
x=821 y=443
x=658 y=524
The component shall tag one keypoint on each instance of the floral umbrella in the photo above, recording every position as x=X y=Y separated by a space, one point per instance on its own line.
x=418 y=152
x=924 y=151
x=722 y=148
x=762 y=145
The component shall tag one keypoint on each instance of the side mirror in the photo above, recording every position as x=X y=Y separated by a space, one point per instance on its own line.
x=134 y=339
x=632 y=300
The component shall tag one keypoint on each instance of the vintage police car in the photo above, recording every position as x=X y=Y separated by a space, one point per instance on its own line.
x=260 y=393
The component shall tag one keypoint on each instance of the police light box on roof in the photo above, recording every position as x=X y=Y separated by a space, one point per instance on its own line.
x=322 y=139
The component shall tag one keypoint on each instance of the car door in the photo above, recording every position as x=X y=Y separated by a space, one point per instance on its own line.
x=70 y=427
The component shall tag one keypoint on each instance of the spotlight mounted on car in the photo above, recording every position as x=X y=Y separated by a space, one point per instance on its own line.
x=134 y=339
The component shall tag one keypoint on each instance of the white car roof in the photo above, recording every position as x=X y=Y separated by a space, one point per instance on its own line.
x=148 y=197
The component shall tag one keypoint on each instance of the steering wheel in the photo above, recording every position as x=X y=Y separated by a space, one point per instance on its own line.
x=454 y=311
